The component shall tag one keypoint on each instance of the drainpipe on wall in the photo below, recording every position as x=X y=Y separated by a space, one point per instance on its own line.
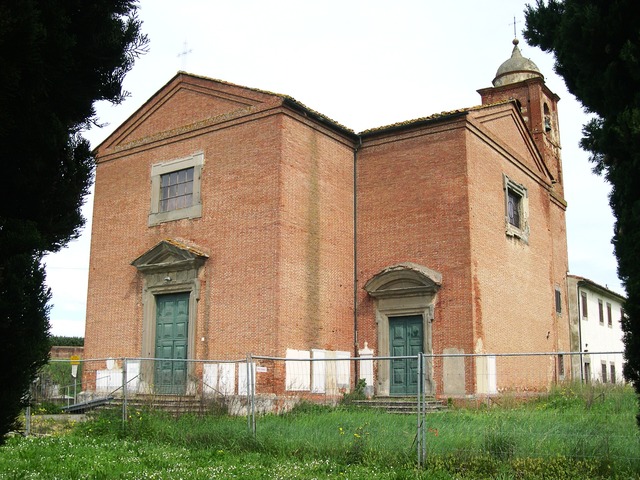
x=355 y=257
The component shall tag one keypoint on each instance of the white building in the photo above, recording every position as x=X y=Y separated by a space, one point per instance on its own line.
x=595 y=313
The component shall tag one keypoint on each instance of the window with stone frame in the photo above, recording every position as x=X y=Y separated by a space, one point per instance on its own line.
x=516 y=209
x=612 y=369
x=585 y=308
x=609 y=318
x=175 y=189
x=604 y=372
x=558 y=298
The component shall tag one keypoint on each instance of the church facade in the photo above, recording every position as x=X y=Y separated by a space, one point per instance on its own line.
x=230 y=220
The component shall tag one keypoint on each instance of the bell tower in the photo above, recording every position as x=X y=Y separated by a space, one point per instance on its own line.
x=518 y=79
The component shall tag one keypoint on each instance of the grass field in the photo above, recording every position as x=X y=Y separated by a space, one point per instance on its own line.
x=572 y=433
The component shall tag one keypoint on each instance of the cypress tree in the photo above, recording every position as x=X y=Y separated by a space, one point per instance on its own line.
x=58 y=58
x=596 y=44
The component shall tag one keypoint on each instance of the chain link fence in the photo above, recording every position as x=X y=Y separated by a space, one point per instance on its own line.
x=574 y=403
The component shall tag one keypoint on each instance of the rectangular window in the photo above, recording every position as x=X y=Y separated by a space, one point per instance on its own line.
x=613 y=373
x=600 y=312
x=558 y=301
x=609 y=319
x=587 y=372
x=516 y=209
x=583 y=300
x=513 y=208
x=604 y=372
x=176 y=190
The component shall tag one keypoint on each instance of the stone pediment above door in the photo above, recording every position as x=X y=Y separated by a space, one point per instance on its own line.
x=404 y=279
x=169 y=255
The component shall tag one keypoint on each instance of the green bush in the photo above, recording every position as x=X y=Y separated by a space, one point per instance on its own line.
x=46 y=408
x=356 y=394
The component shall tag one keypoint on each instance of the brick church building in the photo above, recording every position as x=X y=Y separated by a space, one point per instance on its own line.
x=230 y=220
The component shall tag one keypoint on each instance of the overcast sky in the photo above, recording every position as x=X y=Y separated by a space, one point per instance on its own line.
x=364 y=64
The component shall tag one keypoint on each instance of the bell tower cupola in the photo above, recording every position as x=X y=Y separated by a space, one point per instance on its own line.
x=518 y=79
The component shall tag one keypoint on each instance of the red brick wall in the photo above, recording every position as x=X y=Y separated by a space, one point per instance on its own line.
x=65 y=352
x=508 y=272
x=514 y=280
x=277 y=225
x=316 y=217
x=238 y=230
x=435 y=197
x=413 y=207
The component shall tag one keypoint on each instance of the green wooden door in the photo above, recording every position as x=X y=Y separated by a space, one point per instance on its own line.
x=172 y=327
x=405 y=339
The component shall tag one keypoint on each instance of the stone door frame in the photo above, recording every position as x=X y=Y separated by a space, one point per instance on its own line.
x=169 y=267
x=402 y=290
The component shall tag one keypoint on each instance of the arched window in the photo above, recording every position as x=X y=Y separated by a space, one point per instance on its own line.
x=547 y=118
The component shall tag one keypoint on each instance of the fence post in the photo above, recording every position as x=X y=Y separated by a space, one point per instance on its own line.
x=419 y=428
x=124 y=393
x=27 y=419
x=423 y=382
x=253 y=394
x=251 y=421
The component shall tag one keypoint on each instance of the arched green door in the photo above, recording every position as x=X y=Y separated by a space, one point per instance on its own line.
x=405 y=339
x=172 y=327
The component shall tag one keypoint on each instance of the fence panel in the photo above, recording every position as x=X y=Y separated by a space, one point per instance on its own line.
x=505 y=405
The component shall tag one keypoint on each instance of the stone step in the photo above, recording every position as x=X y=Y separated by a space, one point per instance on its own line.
x=172 y=404
x=182 y=404
x=406 y=405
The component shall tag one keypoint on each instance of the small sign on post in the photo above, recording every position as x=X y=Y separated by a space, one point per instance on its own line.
x=75 y=361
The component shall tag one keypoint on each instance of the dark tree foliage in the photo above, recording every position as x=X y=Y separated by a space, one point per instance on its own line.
x=57 y=57
x=26 y=345
x=596 y=44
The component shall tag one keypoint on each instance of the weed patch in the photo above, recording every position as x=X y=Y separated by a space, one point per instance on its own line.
x=568 y=434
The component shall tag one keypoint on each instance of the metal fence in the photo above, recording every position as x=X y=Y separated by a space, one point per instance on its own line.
x=433 y=391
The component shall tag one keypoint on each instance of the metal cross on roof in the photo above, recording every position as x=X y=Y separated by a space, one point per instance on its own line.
x=515 y=35
x=183 y=55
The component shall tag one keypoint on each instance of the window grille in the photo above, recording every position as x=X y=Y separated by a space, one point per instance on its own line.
x=176 y=190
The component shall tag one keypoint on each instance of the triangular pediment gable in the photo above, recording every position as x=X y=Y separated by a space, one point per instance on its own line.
x=187 y=103
x=504 y=124
x=169 y=254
